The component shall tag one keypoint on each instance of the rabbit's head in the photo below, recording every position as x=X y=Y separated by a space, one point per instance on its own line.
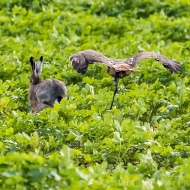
x=36 y=69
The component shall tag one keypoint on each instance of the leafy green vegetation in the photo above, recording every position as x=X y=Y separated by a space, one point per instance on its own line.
x=143 y=143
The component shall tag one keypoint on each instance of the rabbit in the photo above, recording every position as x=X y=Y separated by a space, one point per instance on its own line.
x=43 y=94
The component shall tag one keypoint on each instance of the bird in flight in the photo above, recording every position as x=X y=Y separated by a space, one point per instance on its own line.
x=118 y=68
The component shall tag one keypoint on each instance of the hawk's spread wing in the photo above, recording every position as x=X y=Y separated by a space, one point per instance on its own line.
x=170 y=64
x=81 y=59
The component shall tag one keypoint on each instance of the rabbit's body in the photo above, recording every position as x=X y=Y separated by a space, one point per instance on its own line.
x=44 y=94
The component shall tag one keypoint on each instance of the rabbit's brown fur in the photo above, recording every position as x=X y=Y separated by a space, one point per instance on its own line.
x=43 y=94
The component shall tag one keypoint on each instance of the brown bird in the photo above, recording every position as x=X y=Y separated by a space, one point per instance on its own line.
x=118 y=68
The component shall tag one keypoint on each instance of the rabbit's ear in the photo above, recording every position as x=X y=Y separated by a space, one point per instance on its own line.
x=39 y=66
x=32 y=64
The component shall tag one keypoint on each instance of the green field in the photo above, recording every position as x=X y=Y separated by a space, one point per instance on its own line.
x=143 y=143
